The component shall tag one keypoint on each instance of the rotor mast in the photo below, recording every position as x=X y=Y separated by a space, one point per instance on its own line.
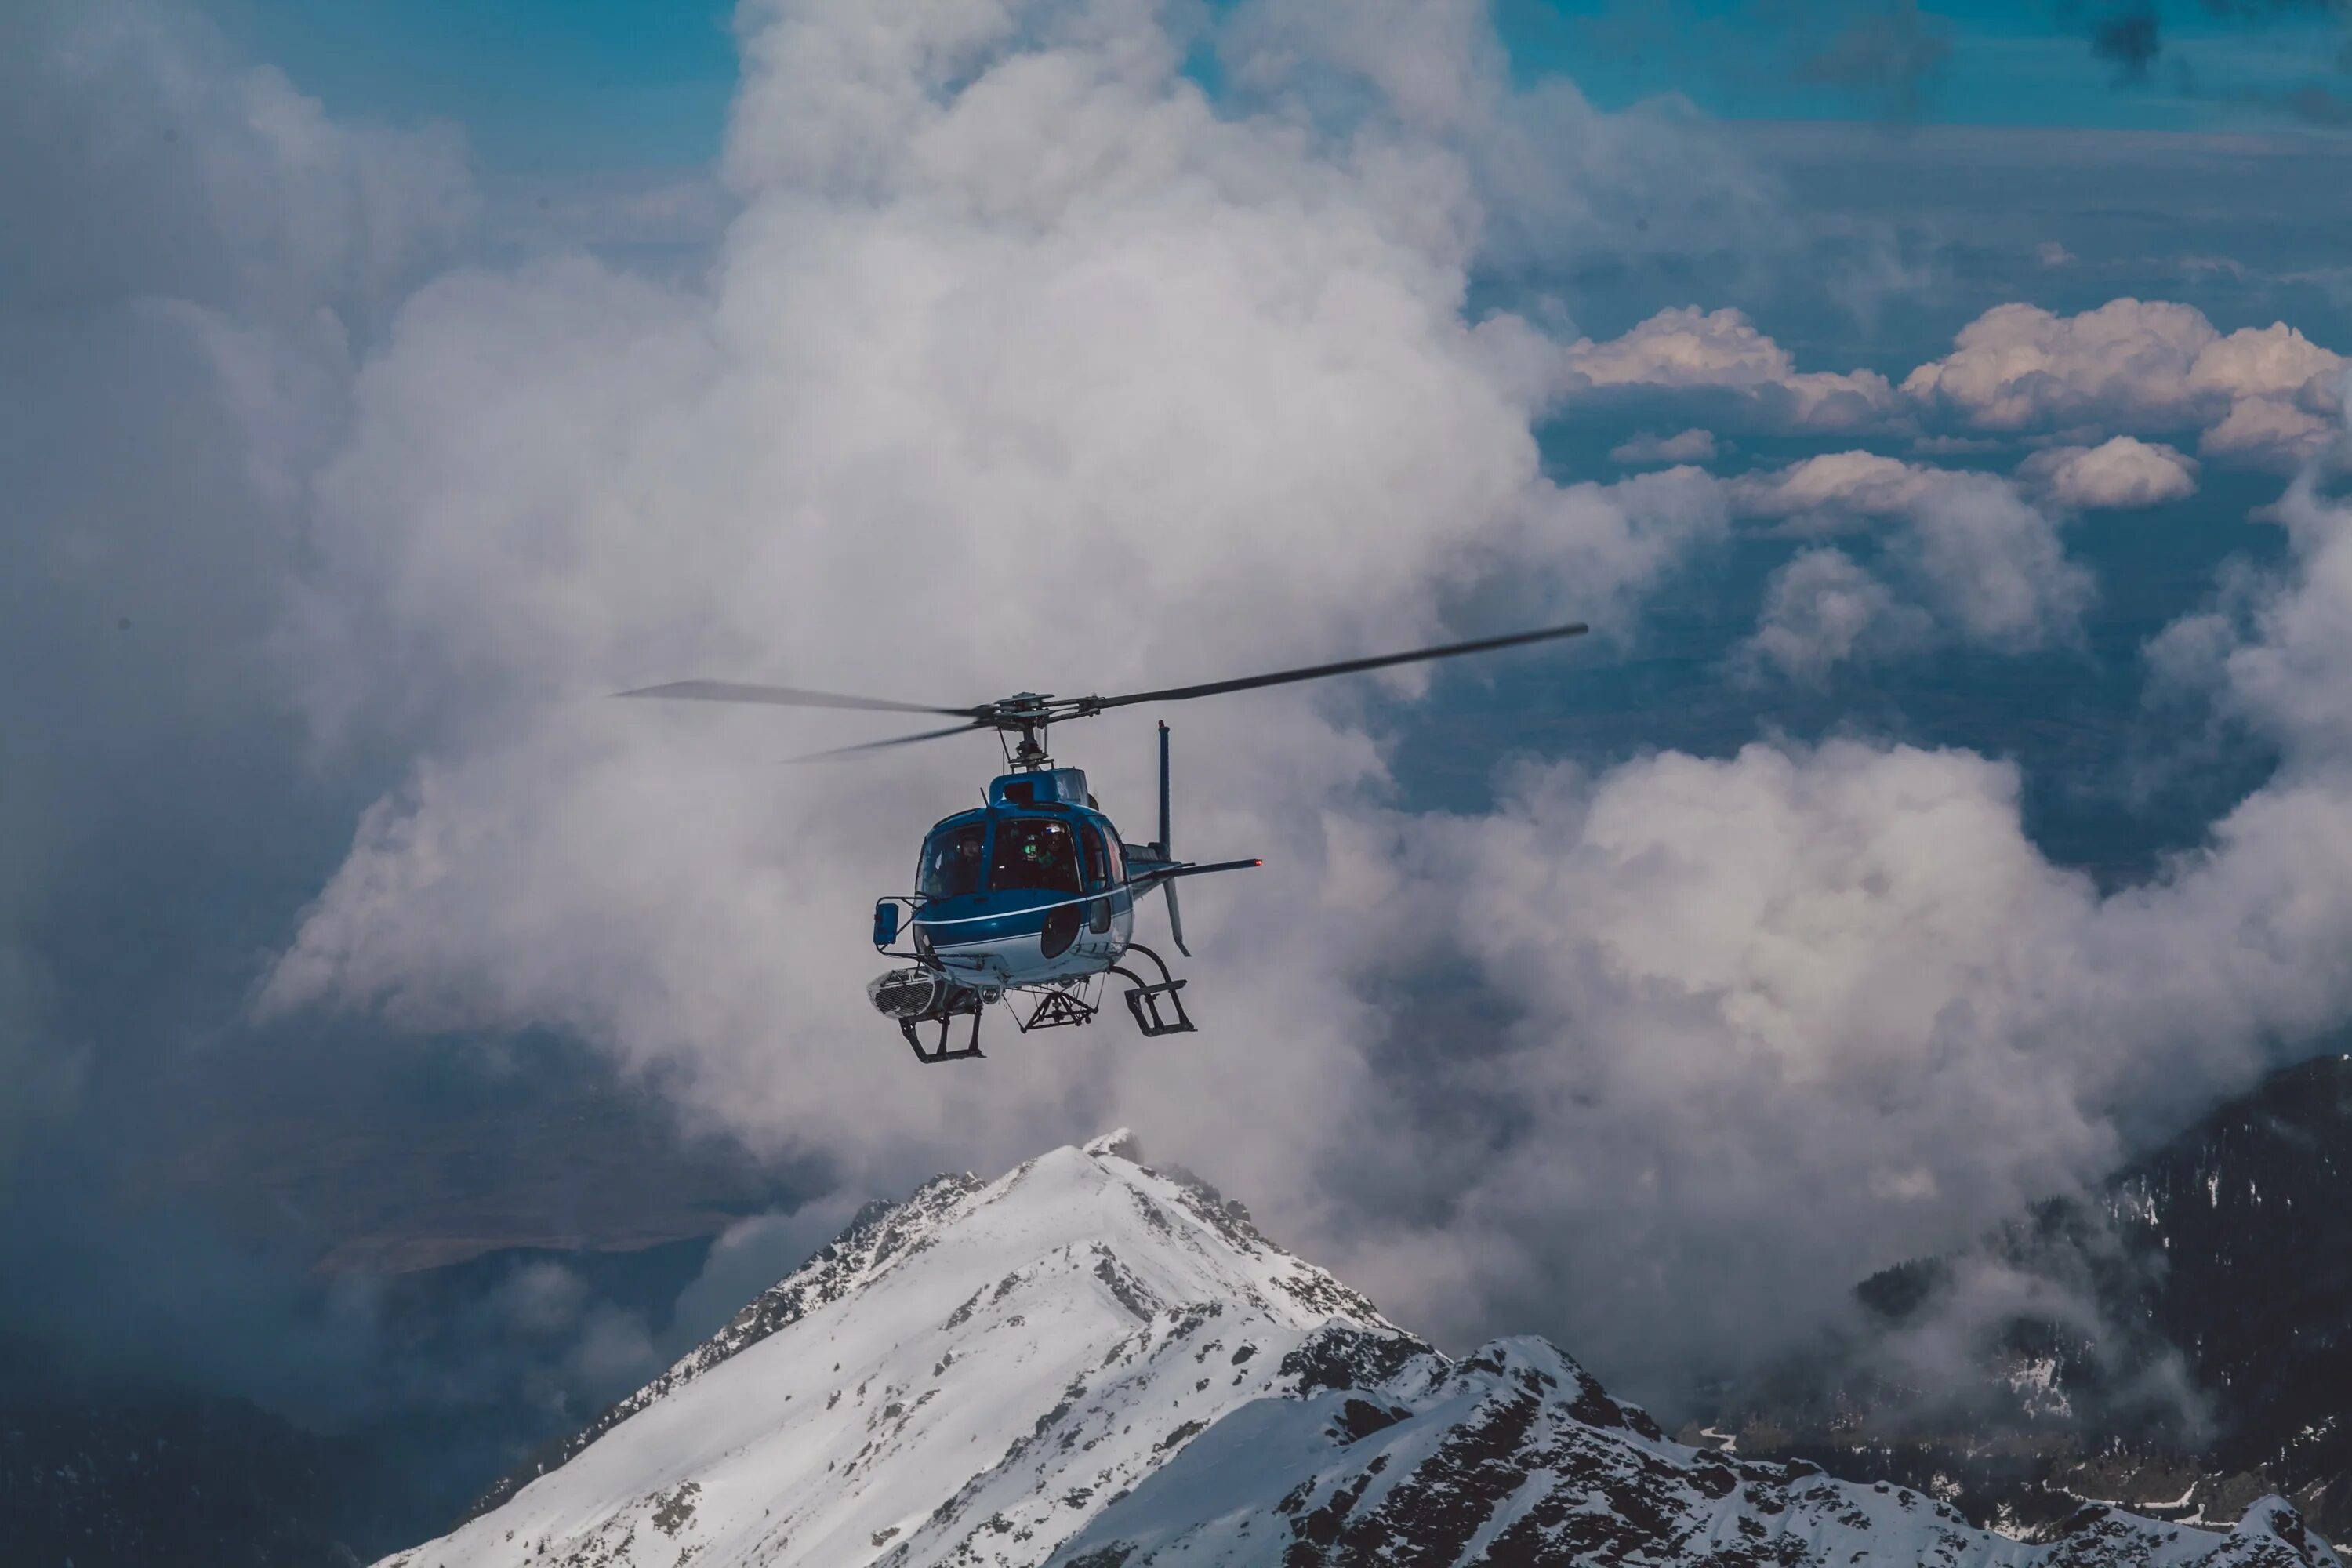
x=1028 y=715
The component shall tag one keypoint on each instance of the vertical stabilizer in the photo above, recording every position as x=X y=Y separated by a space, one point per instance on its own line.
x=1168 y=885
x=1166 y=847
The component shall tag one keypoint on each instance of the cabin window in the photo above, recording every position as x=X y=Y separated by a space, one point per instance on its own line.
x=1097 y=860
x=1033 y=853
x=951 y=861
x=1118 y=858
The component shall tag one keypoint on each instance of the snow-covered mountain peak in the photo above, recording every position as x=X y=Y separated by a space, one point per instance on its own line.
x=967 y=1375
x=1105 y=1366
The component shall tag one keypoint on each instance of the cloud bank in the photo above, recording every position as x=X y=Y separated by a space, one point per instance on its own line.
x=2266 y=395
x=1023 y=364
x=2260 y=396
x=1024 y=359
x=1022 y=367
x=1839 y=981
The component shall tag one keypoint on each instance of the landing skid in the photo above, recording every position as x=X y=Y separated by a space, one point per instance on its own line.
x=1146 y=999
x=1154 y=1004
x=938 y=1051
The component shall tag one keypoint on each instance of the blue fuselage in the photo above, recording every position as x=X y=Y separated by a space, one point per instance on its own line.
x=1023 y=895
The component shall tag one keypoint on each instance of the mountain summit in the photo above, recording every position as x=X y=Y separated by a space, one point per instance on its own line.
x=1092 y=1364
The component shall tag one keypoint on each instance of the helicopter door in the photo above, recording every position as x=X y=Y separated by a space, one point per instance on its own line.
x=1098 y=880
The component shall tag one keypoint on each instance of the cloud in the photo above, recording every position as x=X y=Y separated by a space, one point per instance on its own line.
x=1837 y=981
x=1887 y=55
x=227 y=188
x=2129 y=37
x=2287 y=655
x=1993 y=566
x=1821 y=610
x=1990 y=565
x=1557 y=184
x=1646 y=450
x=1018 y=358
x=1835 y=489
x=1685 y=349
x=2120 y=472
x=193 y=250
x=751 y=1254
x=198 y=255
x=2265 y=395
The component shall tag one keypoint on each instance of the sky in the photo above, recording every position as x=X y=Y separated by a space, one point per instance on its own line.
x=546 y=87
x=1937 y=412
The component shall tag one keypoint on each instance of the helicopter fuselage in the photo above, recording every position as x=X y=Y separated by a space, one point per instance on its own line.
x=1034 y=891
x=1031 y=890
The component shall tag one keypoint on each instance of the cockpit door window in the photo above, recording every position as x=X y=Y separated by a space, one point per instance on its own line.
x=951 y=861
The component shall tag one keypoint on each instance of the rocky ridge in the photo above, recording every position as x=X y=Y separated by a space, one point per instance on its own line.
x=1093 y=1362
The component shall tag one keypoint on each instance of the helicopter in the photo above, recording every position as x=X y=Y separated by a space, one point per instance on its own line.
x=1035 y=890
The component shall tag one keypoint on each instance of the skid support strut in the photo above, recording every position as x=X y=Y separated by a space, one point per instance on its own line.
x=1057 y=1010
x=1158 y=1009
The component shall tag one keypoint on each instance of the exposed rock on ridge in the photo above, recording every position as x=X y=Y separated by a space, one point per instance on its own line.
x=1089 y=1362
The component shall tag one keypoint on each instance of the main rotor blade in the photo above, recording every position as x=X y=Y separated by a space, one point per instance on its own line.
x=785 y=697
x=894 y=741
x=1345 y=667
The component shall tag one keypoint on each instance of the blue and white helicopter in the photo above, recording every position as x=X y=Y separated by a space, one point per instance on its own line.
x=1034 y=891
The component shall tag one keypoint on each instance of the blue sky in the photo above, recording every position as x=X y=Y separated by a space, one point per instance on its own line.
x=540 y=86
x=1992 y=62
x=546 y=87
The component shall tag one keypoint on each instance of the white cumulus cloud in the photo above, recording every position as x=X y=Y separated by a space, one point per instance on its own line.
x=1975 y=559
x=2263 y=395
x=1685 y=349
x=1834 y=489
x=2120 y=472
x=1821 y=610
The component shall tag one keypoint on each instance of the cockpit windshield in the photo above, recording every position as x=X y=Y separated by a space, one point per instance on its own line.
x=1033 y=853
x=951 y=862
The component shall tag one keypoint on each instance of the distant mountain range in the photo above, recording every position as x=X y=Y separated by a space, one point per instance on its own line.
x=2181 y=1343
x=1094 y=1363
x=106 y=1465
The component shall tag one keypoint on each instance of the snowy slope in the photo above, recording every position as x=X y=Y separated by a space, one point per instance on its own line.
x=1515 y=1456
x=1105 y=1366
x=968 y=1376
